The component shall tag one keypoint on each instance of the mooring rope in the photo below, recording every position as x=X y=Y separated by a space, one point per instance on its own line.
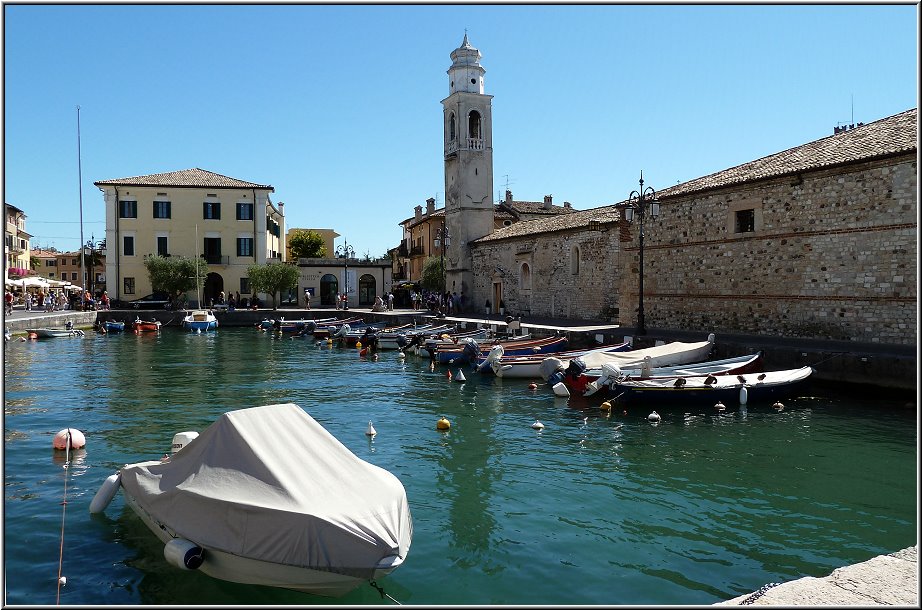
x=383 y=594
x=63 y=512
x=836 y=355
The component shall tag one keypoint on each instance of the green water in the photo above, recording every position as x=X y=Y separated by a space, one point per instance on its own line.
x=612 y=510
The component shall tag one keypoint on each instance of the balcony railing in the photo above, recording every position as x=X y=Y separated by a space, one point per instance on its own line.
x=217 y=259
x=417 y=251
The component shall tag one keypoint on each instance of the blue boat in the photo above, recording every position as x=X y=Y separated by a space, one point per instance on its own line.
x=200 y=320
x=113 y=326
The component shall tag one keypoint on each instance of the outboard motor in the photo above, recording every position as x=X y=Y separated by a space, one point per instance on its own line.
x=310 y=327
x=345 y=328
x=402 y=341
x=496 y=352
x=576 y=368
x=471 y=350
x=611 y=374
x=551 y=370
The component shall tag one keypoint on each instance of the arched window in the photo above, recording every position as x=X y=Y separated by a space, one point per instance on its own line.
x=473 y=125
x=451 y=127
x=574 y=260
x=525 y=277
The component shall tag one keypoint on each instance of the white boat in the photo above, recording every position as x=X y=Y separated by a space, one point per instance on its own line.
x=51 y=333
x=529 y=367
x=268 y=496
x=200 y=319
x=668 y=354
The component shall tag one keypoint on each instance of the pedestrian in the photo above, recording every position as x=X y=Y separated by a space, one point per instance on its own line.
x=337 y=300
x=8 y=298
x=390 y=301
x=486 y=308
x=27 y=300
x=105 y=300
x=307 y=299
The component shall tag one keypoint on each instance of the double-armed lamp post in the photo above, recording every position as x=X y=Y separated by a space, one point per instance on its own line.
x=442 y=241
x=642 y=202
x=345 y=251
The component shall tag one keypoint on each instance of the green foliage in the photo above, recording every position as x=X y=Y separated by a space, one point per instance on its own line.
x=176 y=275
x=273 y=278
x=433 y=274
x=34 y=262
x=306 y=244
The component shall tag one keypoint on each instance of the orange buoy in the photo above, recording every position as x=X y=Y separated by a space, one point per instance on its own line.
x=70 y=436
x=363 y=352
x=532 y=386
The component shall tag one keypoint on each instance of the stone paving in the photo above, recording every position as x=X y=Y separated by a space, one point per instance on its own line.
x=885 y=580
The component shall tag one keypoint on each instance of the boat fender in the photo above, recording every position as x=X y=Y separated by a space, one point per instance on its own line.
x=744 y=395
x=181 y=439
x=183 y=554
x=105 y=493
x=560 y=389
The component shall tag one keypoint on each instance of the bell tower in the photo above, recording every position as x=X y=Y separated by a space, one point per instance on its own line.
x=468 y=137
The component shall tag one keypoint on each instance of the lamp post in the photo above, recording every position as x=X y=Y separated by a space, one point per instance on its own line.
x=442 y=241
x=345 y=251
x=643 y=202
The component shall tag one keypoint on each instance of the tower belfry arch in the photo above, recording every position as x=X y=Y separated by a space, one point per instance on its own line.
x=468 y=137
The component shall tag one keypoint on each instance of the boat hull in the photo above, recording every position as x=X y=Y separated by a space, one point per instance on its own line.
x=727 y=390
x=54 y=333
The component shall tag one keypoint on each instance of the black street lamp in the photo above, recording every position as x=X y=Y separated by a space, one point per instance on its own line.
x=643 y=202
x=345 y=252
x=442 y=241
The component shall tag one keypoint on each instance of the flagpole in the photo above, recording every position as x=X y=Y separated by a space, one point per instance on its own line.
x=80 y=185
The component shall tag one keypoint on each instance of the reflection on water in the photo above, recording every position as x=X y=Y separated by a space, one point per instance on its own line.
x=596 y=508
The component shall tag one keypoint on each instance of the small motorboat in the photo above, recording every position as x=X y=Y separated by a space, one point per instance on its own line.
x=267 y=496
x=200 y=320
x=529 y=367
x=53 y=333
x=113 y=326
x=712 y=389
x=145 y=326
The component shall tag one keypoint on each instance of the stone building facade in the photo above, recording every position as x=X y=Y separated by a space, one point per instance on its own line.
x=818 y=242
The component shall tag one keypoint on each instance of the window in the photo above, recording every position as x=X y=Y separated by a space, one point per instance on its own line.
x=73 y=276
x=211 y=210
x=745 y=221
x=244 y=211
x=128 y=287
x=451 y=131
x=244 y=246
x=574 y=260
x=162 y=249
x=128 y=247
x=73 y=262
x=213 y=250
x=244 y=285
x=51 y=275
x=525 y=277
x=161 y=209
x=128 y=209
x=473 y=125
x=53 y=263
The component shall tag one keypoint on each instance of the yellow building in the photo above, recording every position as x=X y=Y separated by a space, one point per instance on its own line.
x=232 y=223
x=16 y=248
x=328 y=236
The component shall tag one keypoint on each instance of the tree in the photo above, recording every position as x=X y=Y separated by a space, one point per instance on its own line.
x=306 y=244
x=176 y=275
x=433 y=274
x=273 y=278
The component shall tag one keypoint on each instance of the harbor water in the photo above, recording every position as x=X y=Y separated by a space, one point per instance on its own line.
x=595 y=508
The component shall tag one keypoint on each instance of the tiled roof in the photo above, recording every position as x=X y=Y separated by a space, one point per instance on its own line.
x=194 y=177
x=892 y=135
x=535 y=207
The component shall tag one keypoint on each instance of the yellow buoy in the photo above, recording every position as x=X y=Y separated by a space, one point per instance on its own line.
x=605 y=406
x=443 y=424
x=358 y=345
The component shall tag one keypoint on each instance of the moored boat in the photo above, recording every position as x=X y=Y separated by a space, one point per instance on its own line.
x=728 y=390
x=200 y=320
x=611 y=374
x=239 y=503
x=53 y=333
x=145 y=326
x=114 y=326
x=471 y=351
x=529 y=367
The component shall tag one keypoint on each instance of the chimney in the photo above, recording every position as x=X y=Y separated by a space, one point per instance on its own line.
x=508 y=196
x=418 y=212
x=430 y=205
x=566 y=204
x=547 y=201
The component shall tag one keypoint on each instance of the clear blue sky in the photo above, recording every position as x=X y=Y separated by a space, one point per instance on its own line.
x=339 y=107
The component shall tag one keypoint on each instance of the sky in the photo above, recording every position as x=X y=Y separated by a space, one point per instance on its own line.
x=338 y=107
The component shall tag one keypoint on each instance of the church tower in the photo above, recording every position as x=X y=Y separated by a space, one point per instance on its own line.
x=468 y=136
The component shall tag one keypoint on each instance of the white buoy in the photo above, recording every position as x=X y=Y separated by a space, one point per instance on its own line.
x=460 y=376
x=105 y=493
x=560 y=389
x=69 y=438
x=370 y=431
x=744 y=395
x=401 y=355
x=63 y=580
x=537 y=425
x=720 y=406
x=654 y=416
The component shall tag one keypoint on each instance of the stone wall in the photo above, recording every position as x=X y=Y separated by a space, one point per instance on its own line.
x=833 y=255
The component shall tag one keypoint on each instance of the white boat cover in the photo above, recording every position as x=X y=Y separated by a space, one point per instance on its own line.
x=667 y=354
x=270 y=483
